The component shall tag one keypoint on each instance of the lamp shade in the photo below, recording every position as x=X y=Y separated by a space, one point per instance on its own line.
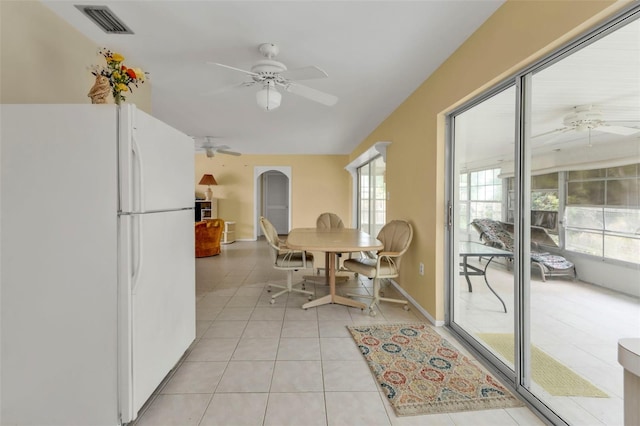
x=268 y=97
x=207 y=180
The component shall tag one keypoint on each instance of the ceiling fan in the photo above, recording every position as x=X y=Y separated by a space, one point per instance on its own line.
x=587 y=118
x=206 y=144
x=270 y=75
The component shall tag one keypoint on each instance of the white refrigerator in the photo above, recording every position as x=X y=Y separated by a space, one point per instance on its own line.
x=97 y=272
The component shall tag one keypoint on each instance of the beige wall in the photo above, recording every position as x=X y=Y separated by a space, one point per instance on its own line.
x=319 y=183
x=44 y=60
x=517 y=34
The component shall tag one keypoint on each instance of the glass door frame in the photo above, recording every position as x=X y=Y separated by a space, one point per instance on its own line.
x=518 y=379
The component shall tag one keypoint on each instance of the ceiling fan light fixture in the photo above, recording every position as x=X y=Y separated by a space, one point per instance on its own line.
x=268 y=97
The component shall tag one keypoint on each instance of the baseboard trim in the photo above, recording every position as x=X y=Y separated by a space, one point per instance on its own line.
x=417 y=306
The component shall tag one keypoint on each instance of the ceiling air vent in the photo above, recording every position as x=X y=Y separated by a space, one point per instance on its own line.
x=103 y=17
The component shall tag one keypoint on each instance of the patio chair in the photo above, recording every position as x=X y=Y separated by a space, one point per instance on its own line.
x=500 y=234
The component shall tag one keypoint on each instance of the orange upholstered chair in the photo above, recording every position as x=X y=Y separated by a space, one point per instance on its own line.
x=208 y=236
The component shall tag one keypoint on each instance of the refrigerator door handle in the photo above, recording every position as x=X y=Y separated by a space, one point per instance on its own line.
x=138 y=180
x=136 y=250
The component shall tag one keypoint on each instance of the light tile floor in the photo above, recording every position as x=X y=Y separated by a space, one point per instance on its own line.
x=577 y=323
x=254 y=363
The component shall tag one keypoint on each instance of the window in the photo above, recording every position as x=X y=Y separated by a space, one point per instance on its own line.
x=602 y=216
x=372 y=196
x=480 y=196
x=545 y=202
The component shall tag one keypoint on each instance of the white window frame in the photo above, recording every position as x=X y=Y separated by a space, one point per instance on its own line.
x=379 y=149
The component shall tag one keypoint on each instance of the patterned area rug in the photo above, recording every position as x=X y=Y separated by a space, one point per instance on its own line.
x=551 y=375
x=422 y=373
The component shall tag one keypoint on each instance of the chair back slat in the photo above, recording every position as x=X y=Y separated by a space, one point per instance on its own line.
x=328 y=221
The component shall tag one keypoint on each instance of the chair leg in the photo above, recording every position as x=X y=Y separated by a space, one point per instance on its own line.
x=543 y=272
x=380 y=298
x=289 y=288
x=377 y=298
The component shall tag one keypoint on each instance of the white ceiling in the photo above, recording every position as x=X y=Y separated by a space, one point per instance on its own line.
x=604 y=74
x=376 y=54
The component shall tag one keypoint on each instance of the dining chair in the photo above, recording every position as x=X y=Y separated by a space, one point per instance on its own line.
x=396 y=237
x=328 y=221
x=285 y=259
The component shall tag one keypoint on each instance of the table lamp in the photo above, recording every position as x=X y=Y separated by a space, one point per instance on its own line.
x=208 y=180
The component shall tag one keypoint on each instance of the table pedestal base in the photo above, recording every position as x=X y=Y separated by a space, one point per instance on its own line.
x=332 y=297
x=325 y=300
x=321 y=279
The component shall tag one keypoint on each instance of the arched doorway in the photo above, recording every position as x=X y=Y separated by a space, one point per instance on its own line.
x=272 y=195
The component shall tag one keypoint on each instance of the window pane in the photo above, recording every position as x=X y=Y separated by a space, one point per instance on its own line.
x=584 y=217
x=489 y=193
x=589 y=193
x=624 y=171
x=623 y=192
x=622 y=248
x=481 y=178
x=584 y=242
x=463 y=193
x=622 y=220
x=463 y=186
x=544 y=219
x=486 y=210
x=379 y=218
x=548 y=181
x=587 y=174
x=545 y=201
x=482 y=193
x=463 y=220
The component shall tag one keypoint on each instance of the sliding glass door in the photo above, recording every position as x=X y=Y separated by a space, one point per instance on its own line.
x=584 y=142
x=544 y=178
x=483 y=285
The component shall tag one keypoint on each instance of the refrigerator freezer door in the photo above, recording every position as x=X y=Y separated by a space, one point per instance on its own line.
x=156 y=164
x=161 y=285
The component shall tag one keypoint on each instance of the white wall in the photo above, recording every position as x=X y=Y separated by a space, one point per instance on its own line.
x=623 y=279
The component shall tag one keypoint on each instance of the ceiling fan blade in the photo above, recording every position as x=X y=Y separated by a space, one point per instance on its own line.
x=313 y=94
x=305 y=73
x=224 y=151
x=617 y=130
x=233 y=68
x=229 y=88
x=551 y=132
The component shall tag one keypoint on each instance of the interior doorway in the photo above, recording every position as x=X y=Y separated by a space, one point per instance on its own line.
x=273 y=198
